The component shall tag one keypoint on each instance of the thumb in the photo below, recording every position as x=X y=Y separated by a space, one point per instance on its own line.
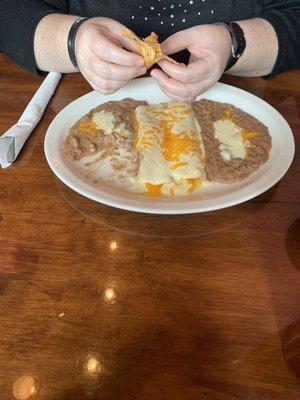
x=179 y=41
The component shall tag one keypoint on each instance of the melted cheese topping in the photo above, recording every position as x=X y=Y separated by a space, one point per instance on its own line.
x=247 y=135
x=153 y=168
x=186 y=186
x=153 y=190
x=228 y=116
x=232 y=144
x=176 y=145
x=171 y=192
x=194 y=184
x=234 y=141
x=106 y=121
x=87 y=126
x=180 y=164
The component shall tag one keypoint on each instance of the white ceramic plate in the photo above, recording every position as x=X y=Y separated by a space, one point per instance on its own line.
x=214 y=197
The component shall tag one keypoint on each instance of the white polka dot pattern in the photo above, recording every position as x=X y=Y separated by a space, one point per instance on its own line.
x=158 y=11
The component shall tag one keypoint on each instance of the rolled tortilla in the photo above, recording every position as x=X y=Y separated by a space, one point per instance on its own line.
x=170 y=143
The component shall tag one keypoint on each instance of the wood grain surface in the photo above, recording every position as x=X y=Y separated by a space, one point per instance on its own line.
x=103 y=304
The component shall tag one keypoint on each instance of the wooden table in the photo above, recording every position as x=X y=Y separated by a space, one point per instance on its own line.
x=97 y=303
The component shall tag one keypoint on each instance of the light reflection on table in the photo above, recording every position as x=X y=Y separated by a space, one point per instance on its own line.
x=24 y=387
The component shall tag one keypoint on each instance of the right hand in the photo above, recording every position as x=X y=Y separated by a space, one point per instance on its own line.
x=101 y=58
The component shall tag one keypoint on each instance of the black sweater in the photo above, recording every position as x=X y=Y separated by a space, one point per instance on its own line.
x=19 y=18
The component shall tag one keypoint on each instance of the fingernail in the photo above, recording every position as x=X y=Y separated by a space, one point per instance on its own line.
x=154 y=74
x=139 y=62
x=142 y=71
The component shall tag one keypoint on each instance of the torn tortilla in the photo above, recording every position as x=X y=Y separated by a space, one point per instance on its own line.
x=148 y=48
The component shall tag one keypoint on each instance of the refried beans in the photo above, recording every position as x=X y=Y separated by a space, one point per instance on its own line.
x=207 y=112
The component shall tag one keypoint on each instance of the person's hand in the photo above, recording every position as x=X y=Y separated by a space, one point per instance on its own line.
x=210 y=48
x=101 y=58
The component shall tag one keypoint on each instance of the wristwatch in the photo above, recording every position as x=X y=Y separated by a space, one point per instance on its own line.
x=238 y=42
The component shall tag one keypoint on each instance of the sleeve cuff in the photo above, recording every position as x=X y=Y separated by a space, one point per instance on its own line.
x=286 y=27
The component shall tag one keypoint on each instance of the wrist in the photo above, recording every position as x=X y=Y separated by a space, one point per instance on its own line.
x=226 y=44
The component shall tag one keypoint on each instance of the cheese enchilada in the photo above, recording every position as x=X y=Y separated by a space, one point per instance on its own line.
x=169 y=142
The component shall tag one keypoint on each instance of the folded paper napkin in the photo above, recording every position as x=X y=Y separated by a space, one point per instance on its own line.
x=14 y=139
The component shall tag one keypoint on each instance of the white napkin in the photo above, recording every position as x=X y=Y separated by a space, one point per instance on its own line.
x=32 y=114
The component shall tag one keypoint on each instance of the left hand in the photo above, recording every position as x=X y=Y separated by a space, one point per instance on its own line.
x=210 y=48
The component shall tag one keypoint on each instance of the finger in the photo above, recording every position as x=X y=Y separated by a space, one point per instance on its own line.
x=179 y=41
x=174 y=97
x=99 y=82
x=98 y=89
x=184 y=90
x=102 y=91
x=104 y=48
x=193 y=72
x=111 y=71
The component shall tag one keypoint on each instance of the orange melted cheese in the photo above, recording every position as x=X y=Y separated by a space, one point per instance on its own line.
x=149 y=140
x=170 y=149
x=136 y=122
x=153 y=190
x=137 y=127
x=157 y=190
x=175 y=145
x=228 y=115
x=180 y=164
x=193 y=184
x=167 y=117
x=87 y=127
x=171 y=115
x=248 y=134
x=171 y=192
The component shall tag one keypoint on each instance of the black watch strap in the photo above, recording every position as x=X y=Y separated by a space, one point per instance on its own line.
x=238 y=42
x=71 y=40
